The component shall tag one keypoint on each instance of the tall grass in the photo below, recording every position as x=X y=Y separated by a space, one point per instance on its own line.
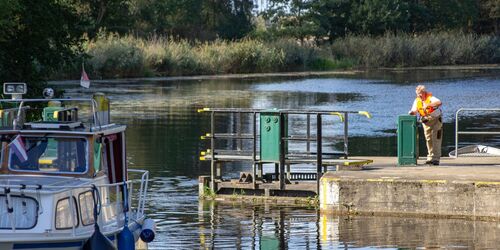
x=127 y=56
x=403 y=50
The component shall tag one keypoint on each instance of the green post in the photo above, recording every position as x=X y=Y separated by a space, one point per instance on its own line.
x=407 y=140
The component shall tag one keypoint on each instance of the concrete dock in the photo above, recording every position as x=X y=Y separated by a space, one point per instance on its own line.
x=458 y=188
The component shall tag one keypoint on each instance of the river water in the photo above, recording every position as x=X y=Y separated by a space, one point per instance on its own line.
x=164 y=137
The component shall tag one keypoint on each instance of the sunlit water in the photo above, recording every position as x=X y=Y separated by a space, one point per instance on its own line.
x=163 y=137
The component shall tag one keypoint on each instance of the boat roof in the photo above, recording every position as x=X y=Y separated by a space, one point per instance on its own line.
x=95 y=120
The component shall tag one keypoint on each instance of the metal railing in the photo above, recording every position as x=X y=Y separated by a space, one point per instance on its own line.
x=17 y=119
x=216 y=156
x=136 y=197
x=458 y=132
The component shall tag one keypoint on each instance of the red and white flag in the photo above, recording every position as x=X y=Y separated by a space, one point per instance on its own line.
x=84 y=80
x=17 y=146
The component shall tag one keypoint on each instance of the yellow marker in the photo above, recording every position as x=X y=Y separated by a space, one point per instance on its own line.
x=207 y=134
x=339 y=115
x=45 y=161
x=486 y=183
x=203 y=110
x=56 y=114
x=202 y=158
x=365 y=113
x=375 y=180
x=203 y=153
x=202 y=137
x=433 y=181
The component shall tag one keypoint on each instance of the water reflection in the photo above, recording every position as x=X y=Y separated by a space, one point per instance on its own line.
x=264 y=226
x=163 y=137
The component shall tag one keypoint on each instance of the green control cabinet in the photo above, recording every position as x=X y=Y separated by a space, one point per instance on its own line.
x=48 y=112
x=407 y=140
x=270 y=135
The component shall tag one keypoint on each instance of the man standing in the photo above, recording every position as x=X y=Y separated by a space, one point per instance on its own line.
x=427 y=107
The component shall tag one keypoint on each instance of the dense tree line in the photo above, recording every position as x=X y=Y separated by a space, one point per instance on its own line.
x=332 y=19
x=38 y=37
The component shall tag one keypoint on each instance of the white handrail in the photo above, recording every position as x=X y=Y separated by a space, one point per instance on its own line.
x=457 y=132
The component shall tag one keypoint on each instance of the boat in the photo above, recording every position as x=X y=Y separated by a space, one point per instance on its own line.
x=476 y=151
x=64 y=179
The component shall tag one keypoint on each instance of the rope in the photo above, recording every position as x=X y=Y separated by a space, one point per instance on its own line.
x=96 y=196
x=38 y=199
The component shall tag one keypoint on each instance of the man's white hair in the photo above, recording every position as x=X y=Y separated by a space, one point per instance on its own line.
x=420 y=89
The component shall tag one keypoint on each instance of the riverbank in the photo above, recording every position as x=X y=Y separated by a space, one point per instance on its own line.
x=113 y=56
x=305 y=74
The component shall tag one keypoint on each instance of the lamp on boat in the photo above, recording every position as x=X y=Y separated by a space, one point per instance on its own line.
x=16 y=89
x=48 y=93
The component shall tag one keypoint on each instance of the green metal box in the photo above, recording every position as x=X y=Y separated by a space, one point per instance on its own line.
x=270 y=135
x=407 y=140
x=48 y=113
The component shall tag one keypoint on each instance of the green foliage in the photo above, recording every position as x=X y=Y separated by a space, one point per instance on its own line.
x=37 y=39
x=114 y=56
x=376 y=17
x=208 y=193
x=404 y=50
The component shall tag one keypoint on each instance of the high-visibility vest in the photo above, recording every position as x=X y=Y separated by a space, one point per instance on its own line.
x=420 y=106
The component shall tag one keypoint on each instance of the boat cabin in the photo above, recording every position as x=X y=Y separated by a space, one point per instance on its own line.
x=49 y=137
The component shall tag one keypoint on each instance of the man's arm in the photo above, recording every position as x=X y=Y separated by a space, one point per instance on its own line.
x=413 y=110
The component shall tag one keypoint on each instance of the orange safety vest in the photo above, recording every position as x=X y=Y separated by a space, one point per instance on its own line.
x=420 y=106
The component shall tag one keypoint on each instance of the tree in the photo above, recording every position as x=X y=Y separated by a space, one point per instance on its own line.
x=112 y=15
x=332 y=16
x=445 y=15
x=44 y=37
x=375 y=17
x=489 y=13
x=292 y=18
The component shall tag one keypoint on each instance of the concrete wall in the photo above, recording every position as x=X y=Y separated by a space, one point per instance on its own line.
x=479 y=200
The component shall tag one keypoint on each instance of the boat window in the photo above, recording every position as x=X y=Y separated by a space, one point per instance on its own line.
x=49 y=154
x=86 y=208
x=24 y=212
x=65 y=220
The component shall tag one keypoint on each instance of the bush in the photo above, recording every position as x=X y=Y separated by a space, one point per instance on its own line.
x=401 y=50
x=113 y=56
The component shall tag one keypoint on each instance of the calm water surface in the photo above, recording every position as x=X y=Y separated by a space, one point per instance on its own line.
x=163 y=137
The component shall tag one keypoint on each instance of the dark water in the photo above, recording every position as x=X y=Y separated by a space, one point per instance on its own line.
x=163 y=137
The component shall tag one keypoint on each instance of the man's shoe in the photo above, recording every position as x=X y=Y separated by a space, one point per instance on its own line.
x=428 y=162
x=435 y=163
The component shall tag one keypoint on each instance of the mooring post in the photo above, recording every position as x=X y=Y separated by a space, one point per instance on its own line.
x=308 y=134
x=282 y=150
x=346 y=135
x=212 y=149
x=254 y=149
x=318 y=151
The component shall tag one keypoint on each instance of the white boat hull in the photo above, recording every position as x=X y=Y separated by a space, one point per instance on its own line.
x=476 y=151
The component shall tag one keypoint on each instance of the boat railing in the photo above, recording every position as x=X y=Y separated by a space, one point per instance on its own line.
x=136 y=195
x=465 y=132
x=17 y=121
